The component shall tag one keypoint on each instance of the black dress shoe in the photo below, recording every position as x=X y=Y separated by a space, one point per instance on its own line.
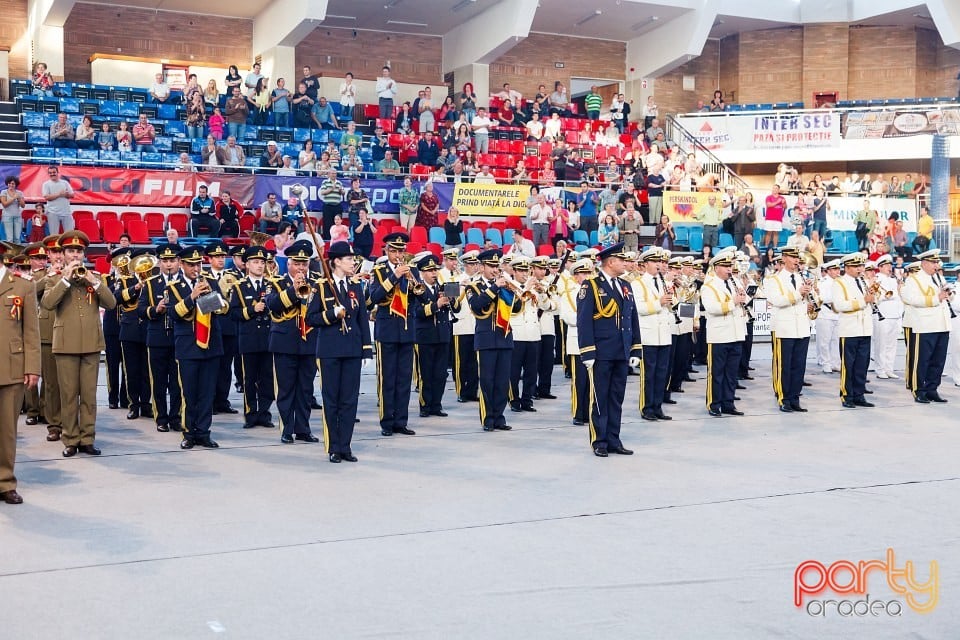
x=731 y=412
x=623 y=451
x=146 y=412
x=935 y=397
x=737 y=398
x=869 y=392
x=740 y=386
x=669 y=401
x=689 y=379
x=88 y=449
x=488 y=428
x=133 y=414
x=176 y=426
x=286 y=439
x=306 y=437
x=579 y=423
x=848 y=405
x=11 y=497
x=249 y=425
x=186 y=444
x=786 y=408
x=386 y=432
x=660 y=415
x=750 y=369
x=547 y=396
x=515 y=409
x=335 y=457
x=207 y=443
x=69 y=451
x=863 y=403
x=528 y=408
x=349 y=457
x=676 y=390
x=649 y=415
x=268 y=425
x=32 y=420
x=600 y=453
x=748 y=377
x=462 y=400
x=714 y=413
x=807 y=384
x=163 y=428
x=405 y=431
x=424 y=414
x=227 y=409
x=797 y=407
x=439 y=414
x=502 y=427
x=114 y=405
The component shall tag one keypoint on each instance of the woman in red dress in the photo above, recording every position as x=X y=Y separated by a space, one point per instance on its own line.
x=429 y=206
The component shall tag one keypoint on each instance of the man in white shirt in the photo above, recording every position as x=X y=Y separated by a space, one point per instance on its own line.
x=722 y=303
x=656 y=334
x=159 y=90
x=510 y=94
x=250 y=82
x=485 y=176
x=534 y=128
x=386 y=92
x=540 y=220
x=481 y=131
x=348 y=97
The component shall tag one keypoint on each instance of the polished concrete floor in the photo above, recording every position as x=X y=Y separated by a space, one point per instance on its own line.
x=457 y=533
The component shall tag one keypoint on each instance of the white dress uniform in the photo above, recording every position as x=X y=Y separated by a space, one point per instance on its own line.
x=579 y=380
x=855 y=328
x=953 y=348
x=791 y=336
x=827 y=323
x=656 y=336
x=525 y=327
x=887 y=325
x=725 y=333
x=931 y=323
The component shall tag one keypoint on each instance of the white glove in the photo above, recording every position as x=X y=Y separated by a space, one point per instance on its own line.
x=588 y=364
x=339 y=311
x=634 y=361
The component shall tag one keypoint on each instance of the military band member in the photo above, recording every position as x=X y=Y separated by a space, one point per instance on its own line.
x=926 y=292
x=393 y=286
x=434 y=333
x=580 y=271
x=133 y=342
x=249 y=307
x=852 y=301
x=547 y=315
x=154 y=308
x=76 y=299
x=37 y=268
x=492 y=303
x=217 y=252
x=525 y=328
x=18 y=370
x=238 y=270
x=339 y=312
x=788 y=293
x=466 y=377
x=828 y=340
x=722 y=304
x=909 y=337
x=113 y=352
x=684 y=329
x=48 y=364
x=197 y=343
x=608 y=333
x=293 y=343
x=886 y=319
x=656 y=328
x=741 y=266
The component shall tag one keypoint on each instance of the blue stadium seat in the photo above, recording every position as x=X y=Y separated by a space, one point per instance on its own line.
x=508 y=236
x=726 y=240
x=110 y=158
x=167 y=111
x=38 y=137
x=128 y=109
x=436 y=234
x=494 y=236
x=580 y=237
x=88 y=155
x=683 y=234
x=696 y=238
x=475 y=236
x=43 y=153
x=594 y=239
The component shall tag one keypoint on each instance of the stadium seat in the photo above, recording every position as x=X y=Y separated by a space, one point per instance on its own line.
x=106 y=215
x=545 y=250
x=90 y=228
x=580 y=237
x=696 y=238
x=127 y=216
x=495 y=236
x=475 y=236
x=508 y=236
x=418 y=235
x=179 y=221
x=437 y=234
x=726 y=240
x=155 y=223
x=137 y=229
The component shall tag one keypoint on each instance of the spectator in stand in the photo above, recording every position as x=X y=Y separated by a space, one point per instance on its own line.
x=293 y=212
x=649 y=113
x=506 y=117
x=609 y=233
x=593 y=103
x=448 y=110
x=627 y=194
x=480 y=125
x=13 y=203
x=212 y=155
x=196 y=116
x=106 y=139
x=552 y=128
x=587 y=201
x=768 y=264
x=386 y=92
x=185 y=163
x=895 y=189
x=559 y=101
x=38 y=228
x=270 y=214
x=363 y=235
x=287 y=168
x=191 y=88
x=310 y=82
x=233 y=155
x=908 y=185
x=348 y=96
x=378 y=144
x=464 y=140
x=654 y=184
x=744 y=218
x=447 y=137
x=340 y=232
x=307 y=158
x=334 y=153
x=302 y=104
x=284 y=238
x=236 y=111
x=709 y=215
x=357 y=200
x=271 y=158
x=172 y=235
x=351 y=164
x=325 y=165
x=42 y=82
x=260 y=102
x=751 y=250
x=428 y=150
x=331 y=192
x=485 y=176
x=458 y=174
x=820 y=208
x=202 y=219
x=429 y=206
x=666 y=235
x=228 y=211
x=216 y=123
x=323 y=116
x=519 y=174
x=408 y=148
x=654 y=132
x=898 y=240
x=523 y=244
x=560 y=220
x=717 y=103
x=866 y=222
x=452 y=229
x=159 y=90
x=388 y=168
x=797 y=240
x=548 y=177
x=816 y=247
x=211 y=95
x=250 y=82
x=446 y=160
x=774 y=207
x=540 y=215
x=425 y=111
x=925 y=226
x=350 y=137
x=534 y=128
x=280 y=104
x=619 y=110
x=512 y=95
x=702 y=107
x=879 y=187
x=86 y=134
x=630 y=228
x=62 y=133
x=403 y=123
x=409 y=200
x=468 y=102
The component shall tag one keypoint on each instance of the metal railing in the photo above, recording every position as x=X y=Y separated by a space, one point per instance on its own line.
x=689 y=143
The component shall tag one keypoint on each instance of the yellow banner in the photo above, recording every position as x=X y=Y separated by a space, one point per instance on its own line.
x=491 y=199
x=681 y=206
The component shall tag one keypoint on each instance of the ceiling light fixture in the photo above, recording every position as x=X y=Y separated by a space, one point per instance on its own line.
x=329 y=16
x=404 y=23
x=588 y=18
x=463 y=4
x=644 y=23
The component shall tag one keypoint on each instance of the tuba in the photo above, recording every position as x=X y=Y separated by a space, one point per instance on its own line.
x=227 y=280
x=122 y=264
x=141 y=266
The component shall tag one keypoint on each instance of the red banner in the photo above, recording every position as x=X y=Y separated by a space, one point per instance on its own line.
x=137 y=187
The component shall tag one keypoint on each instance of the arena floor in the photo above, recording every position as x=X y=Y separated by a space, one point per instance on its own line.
x=457 y=533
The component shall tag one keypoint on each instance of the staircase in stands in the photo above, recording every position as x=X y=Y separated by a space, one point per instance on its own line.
x=13 y=137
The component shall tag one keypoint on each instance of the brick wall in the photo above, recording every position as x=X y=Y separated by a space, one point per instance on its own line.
x=151 y=34
x=531 y=62
x=12 y=29
x=413 y=58
x=826 y=60
x=883 y=62
x=948 y=64
x=771 y=65
x=706 y=71
x=730 y=67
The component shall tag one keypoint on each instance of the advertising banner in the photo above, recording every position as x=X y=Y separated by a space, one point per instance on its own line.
x=769 y=131
x=499 y=200
x=897 y=123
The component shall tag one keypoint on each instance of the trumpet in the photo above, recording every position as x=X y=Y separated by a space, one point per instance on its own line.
x=303 y=287
x=202 y=286
x=417 y=287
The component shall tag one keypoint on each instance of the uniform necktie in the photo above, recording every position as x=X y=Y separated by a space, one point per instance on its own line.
x=793 y=280
x=859 y=285
x=343 y=292
x=656 y=284
x=617 y=291
x=727 y=282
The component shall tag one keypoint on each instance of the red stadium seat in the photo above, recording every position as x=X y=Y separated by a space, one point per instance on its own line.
x=502 y=175
x=395 y=140
x=418 y=235
x=106 y=215
x=138 y=231
x=247 y=223
x=127 y=216
x=414 y=247
x=155 y=223
x=434 y=248
x=486 y=158
x=81 y=215
x=90 y=228
x=514 y=222
x=371 y=111
x=179 y=222
x=471 y=247
x=102 y=264
x=544 y=250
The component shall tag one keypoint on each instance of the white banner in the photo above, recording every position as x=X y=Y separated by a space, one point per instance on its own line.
x=843 y=212
x=770 y=131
